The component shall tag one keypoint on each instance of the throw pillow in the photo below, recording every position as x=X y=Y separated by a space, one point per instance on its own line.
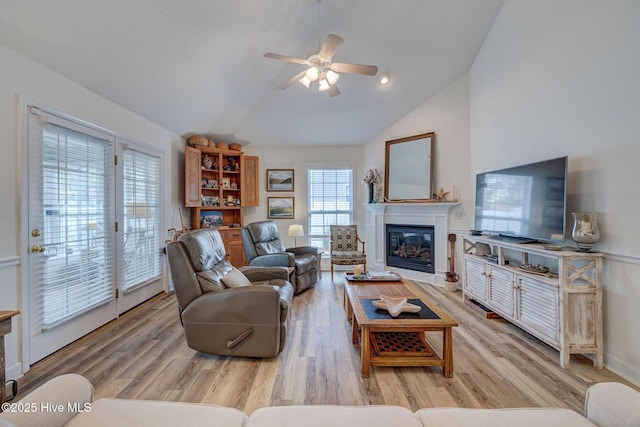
x=235 y=279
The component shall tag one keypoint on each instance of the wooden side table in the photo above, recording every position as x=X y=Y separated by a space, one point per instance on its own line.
x=5 y=328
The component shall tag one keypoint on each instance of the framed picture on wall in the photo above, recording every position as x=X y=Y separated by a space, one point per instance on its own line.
x=279 y=179
x=280 y=207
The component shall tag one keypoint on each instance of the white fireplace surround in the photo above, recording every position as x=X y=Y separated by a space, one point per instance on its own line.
x=435 y=214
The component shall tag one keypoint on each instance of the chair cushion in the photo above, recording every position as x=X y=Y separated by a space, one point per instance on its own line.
x=235 y=279
x=211 y=280
x=348 y=257
x=205 y=248
x=344 y=238
x=306 y=263
x=263 y=231
x=271 y=247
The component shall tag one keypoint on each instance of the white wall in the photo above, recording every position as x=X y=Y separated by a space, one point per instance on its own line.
x=21 y=77
x=297 y=158
x=562 y=78
x=446 y=114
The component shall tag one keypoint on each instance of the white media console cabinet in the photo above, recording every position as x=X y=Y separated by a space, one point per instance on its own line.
x=563 y=307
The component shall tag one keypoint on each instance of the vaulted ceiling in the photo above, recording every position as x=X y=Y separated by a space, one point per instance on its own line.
x=197 y=66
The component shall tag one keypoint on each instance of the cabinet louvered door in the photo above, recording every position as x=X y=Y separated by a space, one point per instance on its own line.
x=192 y=171
x=538 y=304
x=475 y=279
x=501 y=290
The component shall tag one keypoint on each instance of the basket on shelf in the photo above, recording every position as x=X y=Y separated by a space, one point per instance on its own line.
x=222 y=145
x=235 y=146
x=198 y=140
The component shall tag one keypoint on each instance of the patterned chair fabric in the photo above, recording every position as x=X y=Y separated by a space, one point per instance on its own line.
x=344 y=247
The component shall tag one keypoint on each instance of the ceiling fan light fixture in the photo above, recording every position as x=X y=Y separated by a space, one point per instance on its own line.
x=332 y=77
x=305 y=81
x=312 y=74
x=323 y=85
x=385 y=79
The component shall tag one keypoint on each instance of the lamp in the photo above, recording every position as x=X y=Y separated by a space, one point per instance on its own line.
x=312 y=74
x=305 y=81
x=332 y=77
x=323 y=85
x=295 y=231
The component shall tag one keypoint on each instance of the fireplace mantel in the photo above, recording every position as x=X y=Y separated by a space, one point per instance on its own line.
x=435 y=214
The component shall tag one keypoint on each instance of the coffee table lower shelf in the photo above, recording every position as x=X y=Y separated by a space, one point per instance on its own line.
x=402 y=349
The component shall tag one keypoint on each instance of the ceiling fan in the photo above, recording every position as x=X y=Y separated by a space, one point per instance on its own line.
x=321 y=69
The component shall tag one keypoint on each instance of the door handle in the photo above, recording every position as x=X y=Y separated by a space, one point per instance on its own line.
x=38 y=248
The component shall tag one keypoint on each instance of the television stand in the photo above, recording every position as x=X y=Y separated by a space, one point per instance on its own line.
x=512 y=239
x=562 y=308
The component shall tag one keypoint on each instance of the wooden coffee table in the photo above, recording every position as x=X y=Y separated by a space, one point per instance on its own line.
x=401 y=341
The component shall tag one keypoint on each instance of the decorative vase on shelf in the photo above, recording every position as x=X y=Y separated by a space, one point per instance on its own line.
x=371 y=199
x=207 y=162
x=585 y=230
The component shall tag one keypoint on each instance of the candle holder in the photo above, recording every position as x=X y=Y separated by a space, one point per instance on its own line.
x=585 y=230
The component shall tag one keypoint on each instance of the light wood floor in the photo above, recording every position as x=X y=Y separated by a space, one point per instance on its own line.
x=143 y=355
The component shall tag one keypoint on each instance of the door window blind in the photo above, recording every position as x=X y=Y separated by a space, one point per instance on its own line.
x=76 y=181
x=330 y=201
x=142 y=201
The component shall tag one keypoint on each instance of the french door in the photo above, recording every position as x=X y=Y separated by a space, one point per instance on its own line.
x=76 y=257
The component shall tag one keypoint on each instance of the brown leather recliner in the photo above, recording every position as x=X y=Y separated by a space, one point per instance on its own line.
x=263 y=247
x=224 y=310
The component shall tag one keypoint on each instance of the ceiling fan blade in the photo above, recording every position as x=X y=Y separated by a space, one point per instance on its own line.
x=333 y=91
x=286 y=58
x=330 y=46
x=292 y=81
x=367 y=70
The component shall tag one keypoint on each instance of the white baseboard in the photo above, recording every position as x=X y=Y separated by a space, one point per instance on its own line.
x=14 y=372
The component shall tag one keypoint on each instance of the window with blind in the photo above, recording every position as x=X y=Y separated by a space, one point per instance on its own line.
x=77 y=194
x=141 y=208
x=330 y=199
x=76 y=181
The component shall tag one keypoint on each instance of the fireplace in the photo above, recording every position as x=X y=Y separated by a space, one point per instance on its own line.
x=410 y=247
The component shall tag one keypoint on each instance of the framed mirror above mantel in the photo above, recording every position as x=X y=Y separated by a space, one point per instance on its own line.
x=408 y=168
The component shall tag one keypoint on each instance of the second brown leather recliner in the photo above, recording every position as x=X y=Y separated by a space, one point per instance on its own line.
x=263 y=247
x=224 y=310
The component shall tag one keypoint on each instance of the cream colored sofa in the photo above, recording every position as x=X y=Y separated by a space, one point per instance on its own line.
x=68 y=400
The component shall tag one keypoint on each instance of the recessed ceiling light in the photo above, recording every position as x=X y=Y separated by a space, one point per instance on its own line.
x=385 y=78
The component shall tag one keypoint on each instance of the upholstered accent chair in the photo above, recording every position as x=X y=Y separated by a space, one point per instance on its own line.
x=263 y=247
x=224 y=310
x=344 y=247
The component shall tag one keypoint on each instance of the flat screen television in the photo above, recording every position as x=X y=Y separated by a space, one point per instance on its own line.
x=524 y=203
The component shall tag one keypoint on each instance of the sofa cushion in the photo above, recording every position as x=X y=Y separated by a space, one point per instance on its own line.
x=613 y=404
x=520 y=417
x=235 y=279
x=333 y=415
x=69 y=391
x=122 y=412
